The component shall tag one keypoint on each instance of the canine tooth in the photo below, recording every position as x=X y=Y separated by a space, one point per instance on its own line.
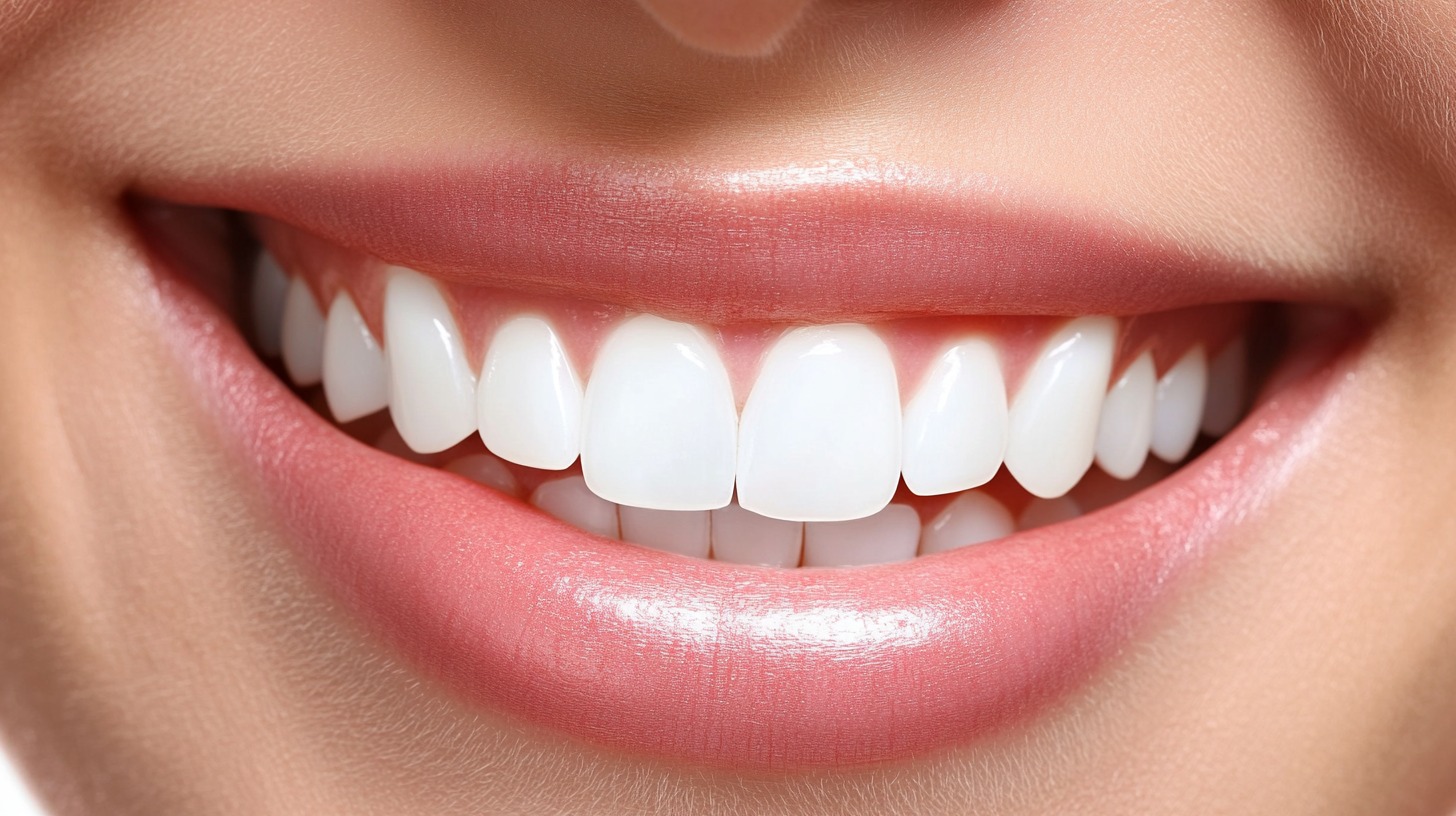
x=955 y=426
x=1227 y=379
x=529 y=399
x=744 y=537
x=891 y=535
x=482 y=468
x=684 y=532
x=1055 y=414
x=660 y=426
x=972 y=518
x=303 y=335
x=1043 y=512
x=820 y=437
x=1179 y=406
x=431 y=386
x=356 y=381
x=269 y=292
x=1125 y=428
x=571 y=501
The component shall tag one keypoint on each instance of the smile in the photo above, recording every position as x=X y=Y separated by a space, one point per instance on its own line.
x=772 y=471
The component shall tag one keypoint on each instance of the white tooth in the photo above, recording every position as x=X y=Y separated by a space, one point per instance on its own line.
x=820 y=438
x=1054 y=416
x=356 y=381
x=1126 y=426
x=743 y=537
x=660 y=428
x=1179 y=408
x=972 y=518
x=1043 y=512
x=431 y=386
x=1227 y=379
x=684 y=532
x=529 y=403
x=571 y=501
x=482 y=468
x=270 y=291
x=891 y=535
x=303 y=335
x=955 y=426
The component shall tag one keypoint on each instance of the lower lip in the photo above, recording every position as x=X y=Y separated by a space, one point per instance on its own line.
x=715 y=664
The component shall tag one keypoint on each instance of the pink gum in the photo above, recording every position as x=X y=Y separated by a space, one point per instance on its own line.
x=583 y=325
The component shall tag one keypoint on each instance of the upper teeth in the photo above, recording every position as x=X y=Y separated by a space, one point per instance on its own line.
x=355 y=376
x=659 y=424
x=529 y=402
x=1125 y=429
x=825 y=433
x=956 y=425
x=821 y=427
x=303 y=335
x=431 y=386
x=1054 y=417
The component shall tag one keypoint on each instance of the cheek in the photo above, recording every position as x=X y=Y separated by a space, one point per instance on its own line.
x=23 y=22
x=1395 y=60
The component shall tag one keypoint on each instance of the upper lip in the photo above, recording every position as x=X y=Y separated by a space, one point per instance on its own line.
x=808 y=244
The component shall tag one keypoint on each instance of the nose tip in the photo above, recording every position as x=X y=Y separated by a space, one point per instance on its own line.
x=740 y=28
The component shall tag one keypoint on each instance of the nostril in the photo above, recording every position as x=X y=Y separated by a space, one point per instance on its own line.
x=739 y=28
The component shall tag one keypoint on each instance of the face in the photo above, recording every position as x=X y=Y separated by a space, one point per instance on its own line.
x=751 y=407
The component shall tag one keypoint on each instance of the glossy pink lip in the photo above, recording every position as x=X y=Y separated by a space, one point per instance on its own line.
x=801 y=245
x=706 y=662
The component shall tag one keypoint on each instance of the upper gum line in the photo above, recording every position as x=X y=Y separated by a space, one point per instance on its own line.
x=329 y=268
x=915 y=350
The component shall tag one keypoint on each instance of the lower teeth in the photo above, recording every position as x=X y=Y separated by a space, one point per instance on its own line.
x=909 y=527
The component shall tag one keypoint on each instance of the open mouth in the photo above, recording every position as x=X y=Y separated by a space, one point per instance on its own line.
x=778 y=445
x=930 y=460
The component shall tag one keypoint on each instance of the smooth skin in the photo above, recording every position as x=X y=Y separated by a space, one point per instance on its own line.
x=163 y=654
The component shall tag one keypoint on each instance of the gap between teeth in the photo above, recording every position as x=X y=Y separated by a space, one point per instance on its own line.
x=825 y=435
